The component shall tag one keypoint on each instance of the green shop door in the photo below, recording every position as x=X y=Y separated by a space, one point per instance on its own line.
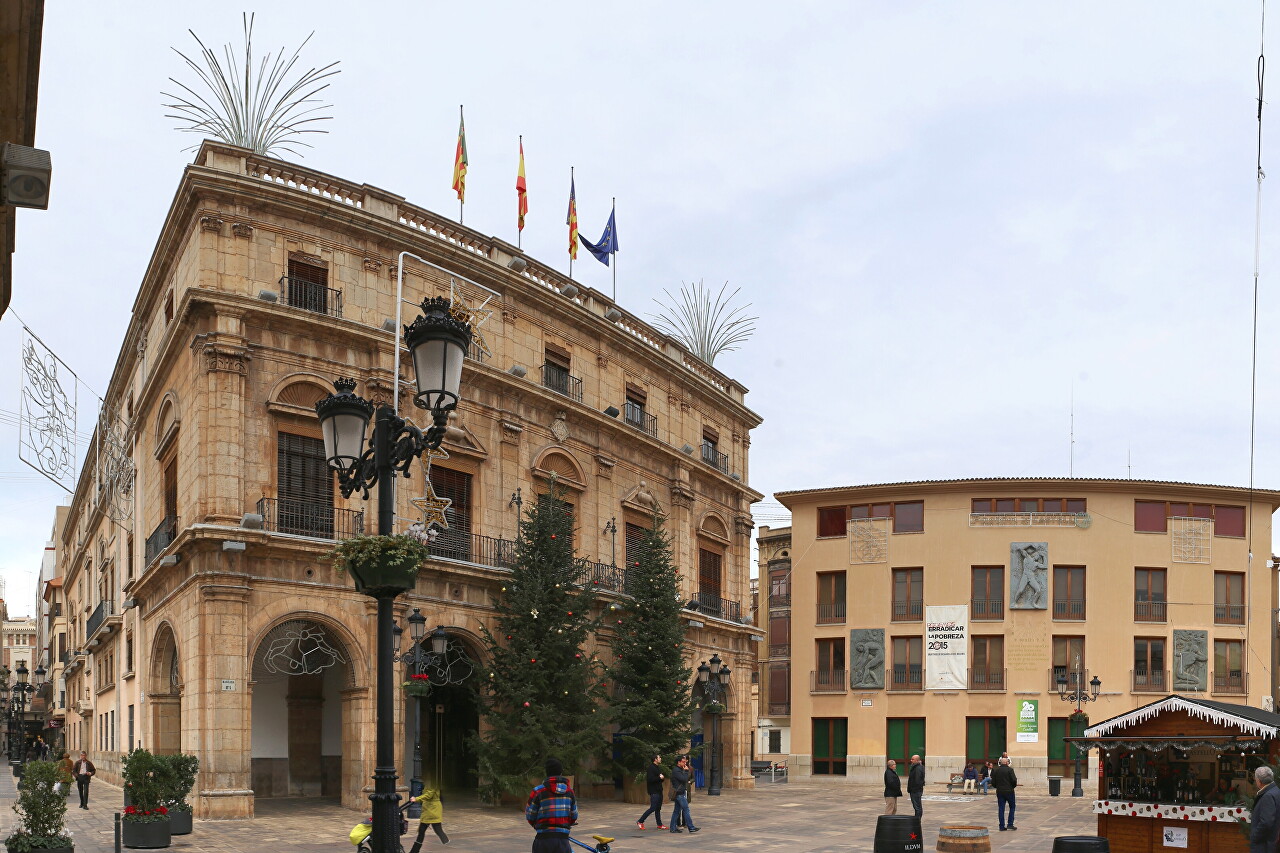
x=830 y=746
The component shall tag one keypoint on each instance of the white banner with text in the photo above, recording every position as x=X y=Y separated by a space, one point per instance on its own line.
x=946 y=647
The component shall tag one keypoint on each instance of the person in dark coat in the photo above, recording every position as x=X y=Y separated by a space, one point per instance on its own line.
x=892 y=788
x=84 y=771
x=1005 y=781
x=1265 y=818
x=915 y=784
x=680 y=796
x=653 y=777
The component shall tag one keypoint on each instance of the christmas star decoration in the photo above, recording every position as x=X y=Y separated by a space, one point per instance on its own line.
x=475 y=316
x=432 y=507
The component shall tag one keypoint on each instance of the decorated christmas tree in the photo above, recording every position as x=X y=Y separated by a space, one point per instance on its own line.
x=543 y=689
x=652 y=705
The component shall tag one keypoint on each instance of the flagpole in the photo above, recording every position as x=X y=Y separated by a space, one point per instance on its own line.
x=613 y=218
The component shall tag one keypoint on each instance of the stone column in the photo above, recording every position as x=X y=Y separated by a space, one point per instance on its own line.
x=222 y=357
x=357 y=762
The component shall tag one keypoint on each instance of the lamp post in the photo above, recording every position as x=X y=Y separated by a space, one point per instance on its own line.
x=714 y=677
x=17 y=707
x=438 y=343
x=1075 y=692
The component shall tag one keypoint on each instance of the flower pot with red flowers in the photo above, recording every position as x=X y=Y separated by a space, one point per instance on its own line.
x=176 y=784
x=418 y=685
x=145 y=822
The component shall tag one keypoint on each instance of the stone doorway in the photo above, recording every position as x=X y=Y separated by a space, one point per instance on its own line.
x=165 y=694
x=301 y=676
x=449 y=720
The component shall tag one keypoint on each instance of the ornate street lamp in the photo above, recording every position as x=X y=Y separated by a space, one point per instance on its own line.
x=1075 y=692
x=438 y=343
x=714 y=678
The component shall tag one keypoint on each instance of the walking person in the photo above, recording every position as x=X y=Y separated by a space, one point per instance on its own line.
x=1265 y=818
x=432 y=816
x=653 y=777
x=892 y=787
x=84 y=771
x=680 y=795
x=552 y=810
x=1005 y=781
x=65 y=774
x=915 y=784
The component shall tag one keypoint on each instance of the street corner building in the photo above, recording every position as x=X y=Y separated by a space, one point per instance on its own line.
x=986 y=610
x=200 y=615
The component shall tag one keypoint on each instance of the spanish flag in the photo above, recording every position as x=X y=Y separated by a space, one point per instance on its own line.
x=572 y=220
x=521 y=191
x=460 y=161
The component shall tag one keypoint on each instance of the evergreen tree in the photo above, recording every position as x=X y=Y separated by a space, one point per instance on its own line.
x=653 y=708
x=542 y=689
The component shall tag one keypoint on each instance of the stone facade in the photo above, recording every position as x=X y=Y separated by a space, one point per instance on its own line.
x=268 y=283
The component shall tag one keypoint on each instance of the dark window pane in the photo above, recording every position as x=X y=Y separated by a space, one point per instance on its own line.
x=1052 y=505
x=831 y=521
x=863 y=511
x=881 y=510
x=1201 y=511
x=981 y=505
x=1149 y=516
x=1179 y=510
x=1228 y=521
x=1005 y=505
x=1075 y=505
x=1028 y=505
x=908 y=517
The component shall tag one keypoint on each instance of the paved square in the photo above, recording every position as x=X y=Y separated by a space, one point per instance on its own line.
x=798 y=817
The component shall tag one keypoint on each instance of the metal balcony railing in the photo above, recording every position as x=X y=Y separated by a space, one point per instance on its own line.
x=779 y=650
x=1150 y=611
x=1232 y=681
x=780 y=600
x=310 y=296
x=637 y=417
x=988 y=678
x=558 y=379
x=604 y=576
x=1077 y=679
x=474 y=548
x=1147 y=680
x=714 y=605
x=713 y=457
x=310 y=518
x=828 y=681
x=162 y=537
x=1068 y=608
x=104 y=609
x=908 y=611
x=986 y=608
x=779 y=709
x=905 y=676
x=1228 y=614
x=832 y=613
x=476 y=353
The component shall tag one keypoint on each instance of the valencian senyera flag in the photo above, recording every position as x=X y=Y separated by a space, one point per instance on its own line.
x=521 y=191
x=460 y=161
x=608 y=242
x=571 y=219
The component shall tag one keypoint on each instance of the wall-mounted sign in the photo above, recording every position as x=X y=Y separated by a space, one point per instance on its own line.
x=946 y=650
x=228 y=684
x=866 y=703
x=1175 y=836
x=1028 y=721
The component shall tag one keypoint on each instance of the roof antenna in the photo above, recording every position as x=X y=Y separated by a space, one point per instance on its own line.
x=1071 y=469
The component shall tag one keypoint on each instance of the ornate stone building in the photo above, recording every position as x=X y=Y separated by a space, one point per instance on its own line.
x=202 y=615
x=1152 y=587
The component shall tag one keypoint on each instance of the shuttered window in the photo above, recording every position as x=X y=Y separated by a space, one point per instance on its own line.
x=635 y=543
x=305 y=486
x=709 y=563
x=456 y=486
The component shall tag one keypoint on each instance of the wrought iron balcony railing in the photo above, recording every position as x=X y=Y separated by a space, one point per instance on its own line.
x=779 y=709
x=558 y=379
x=310 y=518
x=905 y=676
x=1150 y=611
x=828 y=681
x=988 y=678
x=908 y=611
x=780 y=599
x=310 y=296
x=1228 y=614
x=1068 y=608
x=986 y=608
x=779 y=650
x=831 y=614
x=1076 y=679
x=1147 y=680
x=713 y=605
x=162 y=537
x=1233 y=682
x=713 y=457
x=100 y=613
x=637 y=417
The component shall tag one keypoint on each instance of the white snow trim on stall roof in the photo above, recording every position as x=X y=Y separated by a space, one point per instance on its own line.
x=1175 y=703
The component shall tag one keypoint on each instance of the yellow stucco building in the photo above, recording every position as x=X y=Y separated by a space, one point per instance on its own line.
x=200 y=613
x=942 y=617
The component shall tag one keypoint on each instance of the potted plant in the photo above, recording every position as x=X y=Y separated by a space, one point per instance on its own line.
x=179 y=779
x=381 y=564
x=145 y=822
x=418 y=685
x=41 y=812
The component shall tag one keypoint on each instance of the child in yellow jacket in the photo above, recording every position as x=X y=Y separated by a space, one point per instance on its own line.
x=432 y=816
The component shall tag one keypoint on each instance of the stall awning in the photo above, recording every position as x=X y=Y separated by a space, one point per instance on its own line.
x=1248 y=721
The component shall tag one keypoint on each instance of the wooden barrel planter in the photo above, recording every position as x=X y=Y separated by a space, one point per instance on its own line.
x=963 y=838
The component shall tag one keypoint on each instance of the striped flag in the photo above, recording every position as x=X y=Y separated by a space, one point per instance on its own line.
x=460 y=161
x=521 y=191
x=572 y=220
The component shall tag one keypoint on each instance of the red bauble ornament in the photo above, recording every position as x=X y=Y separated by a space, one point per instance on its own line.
x=533 y=660
x=553 y=536
x=526 y=704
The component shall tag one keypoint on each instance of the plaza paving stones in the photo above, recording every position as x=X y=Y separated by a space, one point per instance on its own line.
x=800 y=817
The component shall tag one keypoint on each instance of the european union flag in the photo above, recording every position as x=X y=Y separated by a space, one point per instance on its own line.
x=608 y=242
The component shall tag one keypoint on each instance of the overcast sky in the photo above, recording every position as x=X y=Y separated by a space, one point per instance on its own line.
x=946 y=215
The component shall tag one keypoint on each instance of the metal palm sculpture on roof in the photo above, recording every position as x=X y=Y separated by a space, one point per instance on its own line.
x=705 y=323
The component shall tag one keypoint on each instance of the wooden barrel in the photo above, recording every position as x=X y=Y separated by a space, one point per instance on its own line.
x=1081 y=844
x=898 y=833
x=963 y=838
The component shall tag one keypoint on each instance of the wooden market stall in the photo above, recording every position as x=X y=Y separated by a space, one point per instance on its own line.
x=1174 y=774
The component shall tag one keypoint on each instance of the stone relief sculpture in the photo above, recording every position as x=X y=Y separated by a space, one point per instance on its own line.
x=866 y=668
x=1190 y=660
x=1029 y=576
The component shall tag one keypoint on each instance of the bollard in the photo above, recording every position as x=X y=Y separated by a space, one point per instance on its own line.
x=117 y=832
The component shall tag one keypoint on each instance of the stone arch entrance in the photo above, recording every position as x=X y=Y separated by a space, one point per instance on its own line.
x=164 y=692
x=302 y=680
x=449 y=717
